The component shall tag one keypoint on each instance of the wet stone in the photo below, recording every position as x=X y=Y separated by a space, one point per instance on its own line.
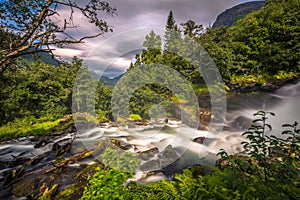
x=25 y=187
x=241 y=123
x=199 y=140
x=40 y=144
x=146 y=155
x=150 y=165
x=169 y=153
x=71 y=129
x=168 y=156
x=21 y=161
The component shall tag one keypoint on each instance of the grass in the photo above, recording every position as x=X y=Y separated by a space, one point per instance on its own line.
x=262 y=78
x=31 y=126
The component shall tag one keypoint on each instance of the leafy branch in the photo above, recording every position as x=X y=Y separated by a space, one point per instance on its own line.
x=31 y=26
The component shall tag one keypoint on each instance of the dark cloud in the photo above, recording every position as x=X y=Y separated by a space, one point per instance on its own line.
x=110 y=52
x=203 y=12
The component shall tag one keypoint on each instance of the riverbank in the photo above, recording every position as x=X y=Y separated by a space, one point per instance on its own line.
x=31 y=126
x=249 y=84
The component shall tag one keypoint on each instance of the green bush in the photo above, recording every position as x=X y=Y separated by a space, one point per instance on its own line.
x=270 y=167
x=115 y=158
x=135 y=117
x=105 y=184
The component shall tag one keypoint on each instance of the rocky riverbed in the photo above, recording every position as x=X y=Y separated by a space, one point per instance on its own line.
x=59 y=164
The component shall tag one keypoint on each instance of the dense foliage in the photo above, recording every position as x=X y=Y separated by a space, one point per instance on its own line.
x=263 y=45
x=40 y=91
x=37 y=89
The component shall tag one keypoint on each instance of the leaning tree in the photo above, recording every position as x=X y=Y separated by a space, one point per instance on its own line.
x=31 y=26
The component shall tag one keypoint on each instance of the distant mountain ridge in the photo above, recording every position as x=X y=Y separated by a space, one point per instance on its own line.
x=232 y=15
x=44 y=57
x=110 y=81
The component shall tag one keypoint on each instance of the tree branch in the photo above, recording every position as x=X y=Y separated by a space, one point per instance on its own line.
x=19 y=36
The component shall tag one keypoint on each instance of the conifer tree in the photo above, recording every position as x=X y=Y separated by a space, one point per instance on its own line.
x=169 y=29
x=152 y=49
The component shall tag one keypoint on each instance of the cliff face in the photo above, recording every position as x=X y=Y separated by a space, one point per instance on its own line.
x=232 y=15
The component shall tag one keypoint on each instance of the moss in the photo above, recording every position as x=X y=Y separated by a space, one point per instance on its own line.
x=31 y=126
x=87 y=172
x=75 y=190
x=72 y=192
x=48 y=194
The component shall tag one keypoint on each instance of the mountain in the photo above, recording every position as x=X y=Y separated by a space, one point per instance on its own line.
x=110 y=81
x=44 y=57
x=232 y=15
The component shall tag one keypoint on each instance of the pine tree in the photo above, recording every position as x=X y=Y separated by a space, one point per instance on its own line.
x=152 y=41
x=169 y=29
x=152 y=49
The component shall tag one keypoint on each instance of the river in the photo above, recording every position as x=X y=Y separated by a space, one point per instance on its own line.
x=158 y=136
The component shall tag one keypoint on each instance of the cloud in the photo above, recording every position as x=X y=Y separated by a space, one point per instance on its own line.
x=113 y=52
x=69 y=52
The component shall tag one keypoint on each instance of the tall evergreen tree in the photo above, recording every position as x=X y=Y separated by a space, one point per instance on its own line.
x=169 y=29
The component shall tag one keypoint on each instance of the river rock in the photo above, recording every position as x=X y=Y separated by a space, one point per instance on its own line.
x=240 y=123
x=120 y=144
x=41 y=143
x=168 y=156
x=273 y=84
x=71 y=192
x=199 y=140
x=25 y=187
x=150 y=165
x=20 y=161
x=61 y=149
x=146 y=155
x=72 y=128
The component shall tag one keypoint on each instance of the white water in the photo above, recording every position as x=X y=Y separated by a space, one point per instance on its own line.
x=287 y=110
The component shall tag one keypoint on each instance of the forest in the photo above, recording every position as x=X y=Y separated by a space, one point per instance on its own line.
x=258 y=53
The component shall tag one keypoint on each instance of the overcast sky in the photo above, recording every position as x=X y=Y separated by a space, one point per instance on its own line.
x=113 y=52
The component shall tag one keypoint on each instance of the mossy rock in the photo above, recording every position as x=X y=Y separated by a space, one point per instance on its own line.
x=71 y=192
x=25 y=187
x=87 y=172
x=47 y=194
x=146 y=155
x=75 y=190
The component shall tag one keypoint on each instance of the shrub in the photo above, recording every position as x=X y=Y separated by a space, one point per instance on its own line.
x=135 y=117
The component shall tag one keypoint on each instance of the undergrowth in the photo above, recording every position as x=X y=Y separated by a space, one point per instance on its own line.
x=32 y=126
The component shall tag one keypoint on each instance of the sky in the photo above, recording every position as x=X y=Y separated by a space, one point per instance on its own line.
x=111 y=54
